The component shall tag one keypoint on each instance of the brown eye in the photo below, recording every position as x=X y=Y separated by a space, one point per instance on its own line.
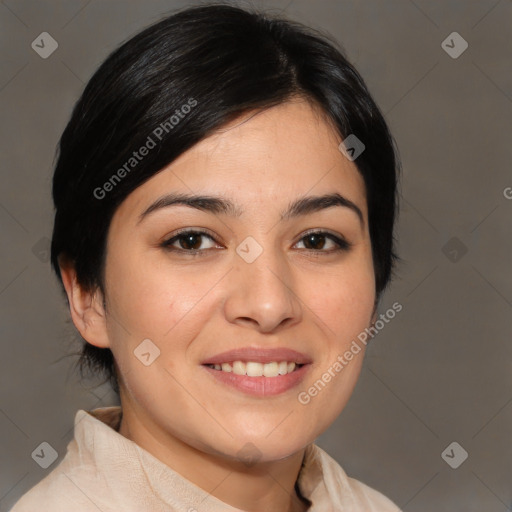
x=324 y=242
x=314 y=241
x=190 y=241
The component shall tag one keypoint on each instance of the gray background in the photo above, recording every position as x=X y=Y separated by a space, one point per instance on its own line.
x=438 y=372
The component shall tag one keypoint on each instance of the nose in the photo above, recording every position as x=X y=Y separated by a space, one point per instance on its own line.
x=261 y=294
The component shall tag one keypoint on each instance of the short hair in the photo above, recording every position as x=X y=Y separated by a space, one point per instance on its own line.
x=188 y=75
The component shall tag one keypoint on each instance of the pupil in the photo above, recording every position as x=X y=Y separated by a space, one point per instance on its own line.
x=189 y=241
x=310 y=239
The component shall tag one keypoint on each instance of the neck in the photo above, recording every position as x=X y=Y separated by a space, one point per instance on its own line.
x=268 y=486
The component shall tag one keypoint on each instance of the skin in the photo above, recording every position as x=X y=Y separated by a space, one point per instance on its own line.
x=300 y=296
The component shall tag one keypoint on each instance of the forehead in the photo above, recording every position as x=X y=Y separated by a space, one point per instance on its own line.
x=260 y=159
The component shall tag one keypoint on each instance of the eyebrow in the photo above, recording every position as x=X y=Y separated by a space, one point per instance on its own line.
x=219 y=205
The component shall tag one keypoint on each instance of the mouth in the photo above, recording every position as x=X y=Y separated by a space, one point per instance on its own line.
x=260 y=380
x=258 y=371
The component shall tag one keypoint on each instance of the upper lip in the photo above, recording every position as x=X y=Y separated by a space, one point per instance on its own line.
x=259 y=355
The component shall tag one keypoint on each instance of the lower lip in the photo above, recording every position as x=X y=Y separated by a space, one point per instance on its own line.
x=261 y=386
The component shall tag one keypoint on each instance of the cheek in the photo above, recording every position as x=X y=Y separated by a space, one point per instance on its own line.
x=344 y=304
x=149 y=297
x=344 y=301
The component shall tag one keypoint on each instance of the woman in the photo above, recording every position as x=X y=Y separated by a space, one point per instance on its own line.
x=225 y=201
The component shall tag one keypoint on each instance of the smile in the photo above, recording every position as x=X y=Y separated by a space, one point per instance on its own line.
x=250 y=379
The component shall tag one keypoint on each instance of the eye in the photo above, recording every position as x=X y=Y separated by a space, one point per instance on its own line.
x=322 y=241
x=190 y=241
x=196 y=242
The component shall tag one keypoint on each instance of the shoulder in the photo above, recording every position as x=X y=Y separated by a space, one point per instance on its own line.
x=55 y=493
x=68 y=485
x=371 y=499
x=348 y=493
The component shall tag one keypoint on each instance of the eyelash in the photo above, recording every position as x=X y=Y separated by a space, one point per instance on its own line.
x=343 y=245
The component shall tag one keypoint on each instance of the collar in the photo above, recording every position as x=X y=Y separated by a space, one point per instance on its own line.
x=98 y=440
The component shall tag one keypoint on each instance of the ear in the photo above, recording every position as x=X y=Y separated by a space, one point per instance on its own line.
x=86 y=308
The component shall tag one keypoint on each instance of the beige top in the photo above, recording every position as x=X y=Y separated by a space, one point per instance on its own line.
x=104 y=471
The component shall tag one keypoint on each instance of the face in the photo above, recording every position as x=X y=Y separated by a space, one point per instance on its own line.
x=200 y=281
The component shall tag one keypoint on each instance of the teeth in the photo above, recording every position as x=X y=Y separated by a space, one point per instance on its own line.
x=253 y=369
x=239 y=368
x=269 y=369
